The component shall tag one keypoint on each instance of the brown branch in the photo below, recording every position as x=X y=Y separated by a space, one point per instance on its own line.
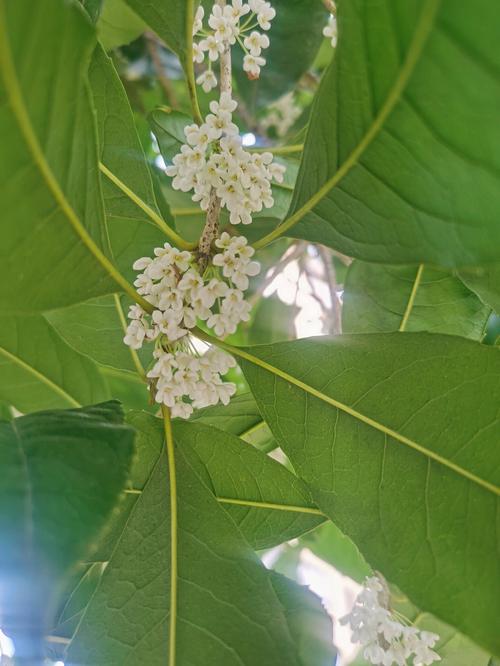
x=153 y=45
x=330 y=7
x=211 y=228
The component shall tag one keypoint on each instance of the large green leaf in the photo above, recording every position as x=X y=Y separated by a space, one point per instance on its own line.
x=397 y=436
x=53 y=238
x=40 y=371
x=485 y=282
x=168 y=127
x=296 y=29
x=240 y=476
x=273 y=321
x=132 y=232
x=93 y=8
x=62 y=473
x=169 y=19
x=334 y=547
x=242 y=418
x=96 y=328
x=227 y=610
x=310 y=625
x=401 y=162
x=118 y=24
x=381 y=298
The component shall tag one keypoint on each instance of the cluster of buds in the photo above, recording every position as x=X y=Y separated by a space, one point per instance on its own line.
x=181 y=296
x=214 y=158
x=282 y=114
x=227 y=27
x=386 y=639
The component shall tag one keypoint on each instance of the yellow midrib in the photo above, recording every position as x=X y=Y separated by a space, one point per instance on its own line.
x=411 y=299
x=40 y=377
x=254 y=504
x=419 y=38
x=21 y=115
x=399 y=437
x=174 y=577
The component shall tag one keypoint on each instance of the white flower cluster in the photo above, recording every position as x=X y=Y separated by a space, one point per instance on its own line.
x=282 y=114
x=184 y=375
x=227 y=28
x=387 y=641
x=330 y=30
x=180 y=296
x=214 y=158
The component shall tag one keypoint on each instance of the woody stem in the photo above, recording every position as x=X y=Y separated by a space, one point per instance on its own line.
x=211 y=228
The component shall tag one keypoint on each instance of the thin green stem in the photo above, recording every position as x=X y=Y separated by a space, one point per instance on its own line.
x=399 y=437
x=169 y=445
x=184 y=212
x=58 y=390
x=254 y=504
x=189 y=63
x=279 y=150
x=19 y=110
x=271 y=505
x=411 y=300
x=419 y=38
x=153 y=215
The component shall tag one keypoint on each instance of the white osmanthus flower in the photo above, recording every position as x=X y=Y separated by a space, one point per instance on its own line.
x=252 y=65
x=330 y=30
x=171 y=282
x=386 y=640
x=207 y=80
x=255 y=42
x=215 y=158
x=226 y=27
x=265 y=13
x=198 y=20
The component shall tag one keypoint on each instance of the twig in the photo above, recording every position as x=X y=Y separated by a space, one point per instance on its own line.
x=213 y=212
x=152 y=45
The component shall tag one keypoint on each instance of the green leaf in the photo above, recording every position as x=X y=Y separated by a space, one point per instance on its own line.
x=390 y=174
x=63 y=472
x=169 y=19
x=40 y=371
x=308 y=622
x=53 y=223
x=297 y=28
x=168 y=127
x=242 y=418
x=93 y=8
x=227 y=613
x=453 y=648
x=96 y=328
x=331 y=545
x=132 y=232
x=77 y=600
x=273 y=321
x=241 y=475
x=485 y=282
x=118 y=24
x=381 y=298
x=396 y=435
